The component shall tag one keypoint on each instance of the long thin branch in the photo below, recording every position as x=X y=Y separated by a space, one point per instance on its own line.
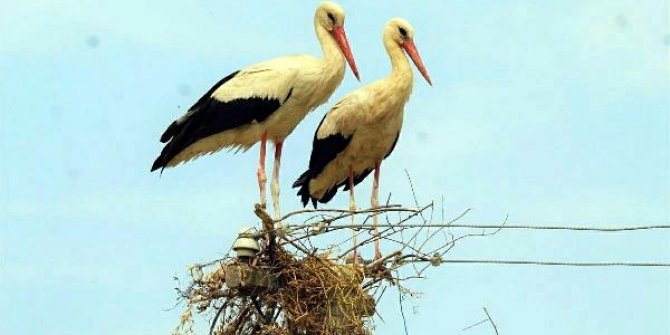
x=548 y=263
x=386 y=208
x=475 y=325
x=402 y=311
x=216 y=317
x=492 y=323
x=482 y=226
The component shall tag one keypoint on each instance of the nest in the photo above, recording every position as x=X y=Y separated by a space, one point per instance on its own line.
x=289 y=289
x=312 y=295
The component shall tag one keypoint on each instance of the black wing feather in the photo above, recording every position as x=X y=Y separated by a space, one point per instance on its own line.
x=209 y=116
x=174 y=127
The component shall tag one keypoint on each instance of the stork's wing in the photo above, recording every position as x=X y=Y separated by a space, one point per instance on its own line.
x=241 y=98
x=333 y=135
x=336 y=131
x=360 y=177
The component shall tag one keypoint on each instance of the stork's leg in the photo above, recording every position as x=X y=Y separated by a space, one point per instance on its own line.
x=274 y=185
x=262 y=178
x=375 y=203
x=352 y=208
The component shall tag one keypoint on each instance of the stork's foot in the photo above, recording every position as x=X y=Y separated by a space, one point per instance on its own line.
x=378 y=254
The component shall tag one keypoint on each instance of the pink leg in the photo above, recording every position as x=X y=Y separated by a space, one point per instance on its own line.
x=375 y=204
x=352 y=208
x=262 y=178
x=274 y=185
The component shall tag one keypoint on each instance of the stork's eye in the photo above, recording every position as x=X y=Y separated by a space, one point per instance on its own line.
x=403 y=32
x=331 y=17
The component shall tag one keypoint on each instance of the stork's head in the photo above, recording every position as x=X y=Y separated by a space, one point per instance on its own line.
x=401 y=32
x=330 y=16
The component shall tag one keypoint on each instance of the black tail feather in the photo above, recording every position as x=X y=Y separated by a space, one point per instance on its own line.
x=302 y=183
x=178 y=137
x=301 y=180
x=159 y=163
x=163 y=159
x=169 y=132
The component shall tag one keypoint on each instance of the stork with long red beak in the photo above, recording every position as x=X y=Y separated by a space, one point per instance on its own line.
x=263 y=102
x=363 y=128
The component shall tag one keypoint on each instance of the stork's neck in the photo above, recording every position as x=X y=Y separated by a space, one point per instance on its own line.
x=401 y=71
x=332 y=55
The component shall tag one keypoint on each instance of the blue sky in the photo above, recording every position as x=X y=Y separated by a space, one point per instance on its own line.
x=554 y=112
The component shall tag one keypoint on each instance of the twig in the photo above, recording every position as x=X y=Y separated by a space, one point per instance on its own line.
x=216 y=317
x=257 y=306
x=402 y=311
x=380 y=261
x=492 y=323
x=411 y=186
x=336 y=210
x=268 y=228
x=475 y=325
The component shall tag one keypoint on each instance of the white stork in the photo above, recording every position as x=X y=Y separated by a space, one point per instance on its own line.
x=263 y=102
x=362 y=129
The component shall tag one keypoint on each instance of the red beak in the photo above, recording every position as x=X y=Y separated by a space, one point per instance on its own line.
x=341 y=39
x=410 y=48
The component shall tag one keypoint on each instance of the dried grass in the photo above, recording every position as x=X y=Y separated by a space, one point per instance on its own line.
x=314 y=295
x=320 y=296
